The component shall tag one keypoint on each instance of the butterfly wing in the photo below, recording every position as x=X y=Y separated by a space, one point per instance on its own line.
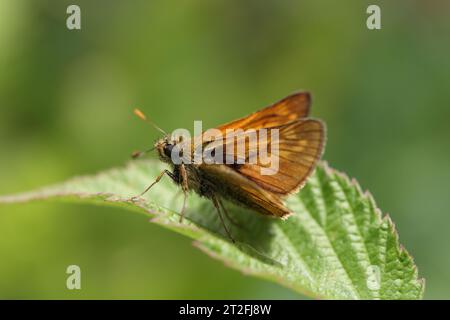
x=292 y=107
x=300 y=146
x=239 y=189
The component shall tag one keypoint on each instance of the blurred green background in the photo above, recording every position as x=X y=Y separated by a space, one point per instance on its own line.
x=66 y=100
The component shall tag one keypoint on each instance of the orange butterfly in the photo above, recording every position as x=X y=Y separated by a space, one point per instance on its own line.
x=300 y=143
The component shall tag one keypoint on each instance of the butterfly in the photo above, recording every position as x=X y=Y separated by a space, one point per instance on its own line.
x=299 y=146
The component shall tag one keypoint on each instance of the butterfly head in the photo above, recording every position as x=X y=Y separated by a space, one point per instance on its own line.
x=164 y=147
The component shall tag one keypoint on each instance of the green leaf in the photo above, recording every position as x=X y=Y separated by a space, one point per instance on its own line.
x=337 y=245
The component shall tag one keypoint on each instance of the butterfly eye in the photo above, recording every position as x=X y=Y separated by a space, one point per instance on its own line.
x=168 y=150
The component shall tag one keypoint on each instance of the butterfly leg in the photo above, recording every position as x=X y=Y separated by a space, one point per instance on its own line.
x=184 y=187
x=229 y=217
x=217 y=205
x=183 y=209
x=170 y=174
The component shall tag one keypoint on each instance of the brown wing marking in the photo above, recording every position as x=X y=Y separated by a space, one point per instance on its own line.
x=300 y=147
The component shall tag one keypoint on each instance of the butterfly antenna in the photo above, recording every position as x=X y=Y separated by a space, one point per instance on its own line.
x=137 y=154
x=143 y=117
